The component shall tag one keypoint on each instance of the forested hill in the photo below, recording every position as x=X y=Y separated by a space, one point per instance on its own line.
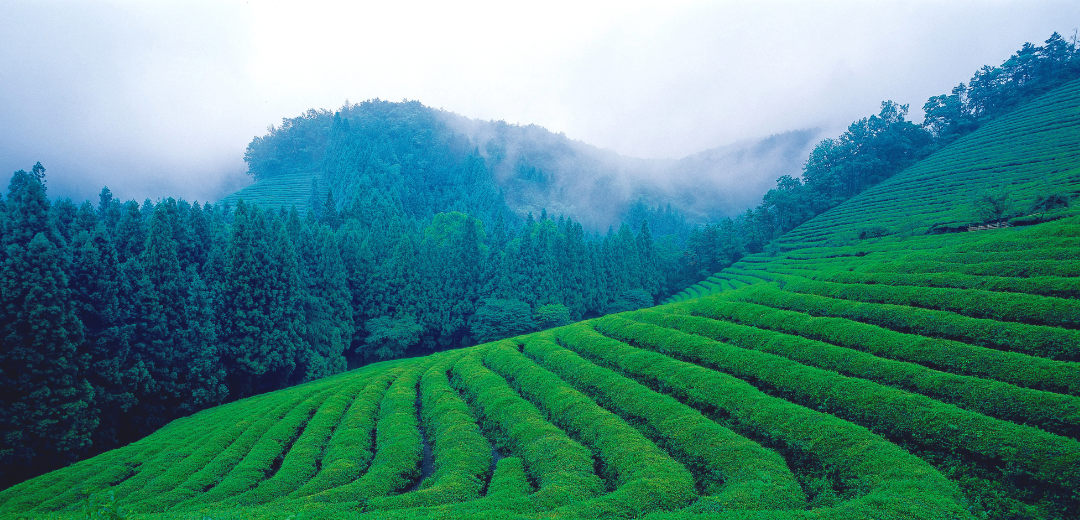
x=431 y=161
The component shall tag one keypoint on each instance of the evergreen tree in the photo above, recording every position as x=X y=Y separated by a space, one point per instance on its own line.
x=86 y=219
x=63 y=214
x=130 y=236
x=330 y=215
x=96 y=285
x=46 y=417
x=108 y=210
x=261 y=307
x=327 y=309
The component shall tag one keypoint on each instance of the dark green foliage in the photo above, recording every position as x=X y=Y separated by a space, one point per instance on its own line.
x=389 y=337
x=496 y=319
x=849 y=369
x=97 y=285
x=552 y=315
x=46 y=419
x=260 y=304
x=992 y=206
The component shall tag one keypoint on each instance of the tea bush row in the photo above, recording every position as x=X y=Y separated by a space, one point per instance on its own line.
x=889 y=481
x=462 y=456
x=562 y=468
x=941 y=354
x=1043 y=456
x=734 y=472
x=1046 y=410
x=1036 y=340
x=398 y=444
x=644 y=477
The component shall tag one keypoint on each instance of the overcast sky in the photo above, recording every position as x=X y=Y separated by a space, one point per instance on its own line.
x=160 y=99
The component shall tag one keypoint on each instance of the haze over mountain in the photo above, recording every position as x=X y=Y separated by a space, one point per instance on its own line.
x=597 y=185
x=159 y=99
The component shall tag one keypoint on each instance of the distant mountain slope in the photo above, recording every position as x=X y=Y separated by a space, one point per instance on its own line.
x=909 y=375
x=437 y=161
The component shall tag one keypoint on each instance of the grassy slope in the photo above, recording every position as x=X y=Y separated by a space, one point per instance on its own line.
x=909 y=376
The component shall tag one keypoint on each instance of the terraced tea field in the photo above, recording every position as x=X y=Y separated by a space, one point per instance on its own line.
x=1032 y=152
x=286 y=190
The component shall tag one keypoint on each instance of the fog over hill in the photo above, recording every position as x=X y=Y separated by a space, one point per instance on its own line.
x=539 y=169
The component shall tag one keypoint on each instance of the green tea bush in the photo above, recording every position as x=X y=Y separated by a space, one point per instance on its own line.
x=509 y=480
x=350 y=449
x=889 y=481
x=300 y=464
x=941 y=354
x=737 y=473
x=462 y=456
x=645 y=478
x=562 y=468
x=1023 y=308
x=397 y=443
x=899 y=414
x=1036 y=340
x=1049 y=411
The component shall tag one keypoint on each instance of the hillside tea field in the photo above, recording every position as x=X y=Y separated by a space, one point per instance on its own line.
x=282 y=191
x=928 y=377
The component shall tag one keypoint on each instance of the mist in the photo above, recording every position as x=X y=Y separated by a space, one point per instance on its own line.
x=161 y=99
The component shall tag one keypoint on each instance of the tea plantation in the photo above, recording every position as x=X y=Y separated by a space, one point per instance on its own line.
x=285 y=190
x=906 y=374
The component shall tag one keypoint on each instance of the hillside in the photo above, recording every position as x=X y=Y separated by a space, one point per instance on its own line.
x=436 y=161
x=869 y=367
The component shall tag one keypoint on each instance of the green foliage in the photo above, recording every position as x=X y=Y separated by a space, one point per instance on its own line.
x=389 y=337
x=992 y=206
x=908 y=416
x=562 y=468
x=734 y=472
x=102 y=506
x=45 y=415
x=552 y=315
x=888 y=477
x=645 y=478
x=497 y=318
x=462 y=455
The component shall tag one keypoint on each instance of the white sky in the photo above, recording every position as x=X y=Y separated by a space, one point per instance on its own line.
x=161 y=98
